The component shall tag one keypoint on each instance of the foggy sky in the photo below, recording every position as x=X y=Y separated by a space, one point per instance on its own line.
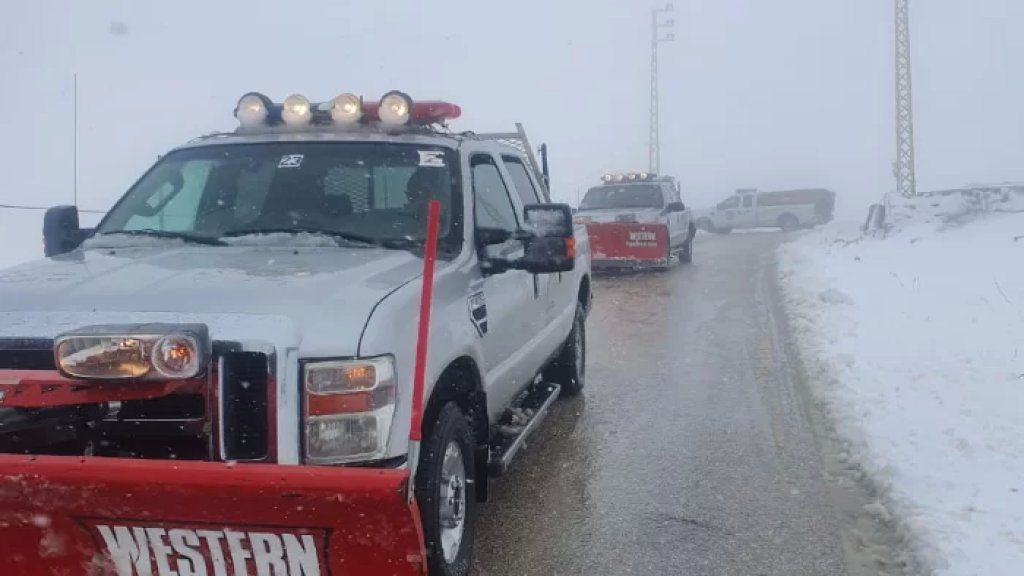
x=755 y=93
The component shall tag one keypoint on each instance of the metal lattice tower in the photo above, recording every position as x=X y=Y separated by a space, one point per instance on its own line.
x=906 y=181
x=657 y=38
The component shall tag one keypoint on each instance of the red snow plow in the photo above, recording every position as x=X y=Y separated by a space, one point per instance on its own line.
x=63 y=514
x=121 y=517
x=628 y=245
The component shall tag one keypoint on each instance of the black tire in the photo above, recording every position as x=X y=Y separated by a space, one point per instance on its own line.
x=686 y=254
x=435 y=491
x=569 y=368
x=788 y=222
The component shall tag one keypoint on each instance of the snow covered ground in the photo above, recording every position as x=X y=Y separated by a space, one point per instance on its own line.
x=915 y=343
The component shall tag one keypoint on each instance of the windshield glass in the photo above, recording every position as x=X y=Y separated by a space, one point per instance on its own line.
x=630 y=196
x=369 y=191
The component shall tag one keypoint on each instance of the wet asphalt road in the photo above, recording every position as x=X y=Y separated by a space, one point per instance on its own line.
x=694 y=449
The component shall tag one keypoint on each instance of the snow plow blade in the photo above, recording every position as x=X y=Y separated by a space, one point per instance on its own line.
x=120 y=517
x=625 y=245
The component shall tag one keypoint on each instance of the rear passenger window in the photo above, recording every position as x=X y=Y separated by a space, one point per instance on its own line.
x=521 y=180
x=493 y=206
x=748 y=201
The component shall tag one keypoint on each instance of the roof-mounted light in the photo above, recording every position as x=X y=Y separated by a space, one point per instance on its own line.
x=346 y=109
x=253 y=109
x=395 y=108
x=296 y=110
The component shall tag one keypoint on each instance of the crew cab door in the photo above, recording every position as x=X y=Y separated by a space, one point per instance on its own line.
x=746 y=212
x=508 y=296
x=678 y=225
x=726 y=212
x=545 y=286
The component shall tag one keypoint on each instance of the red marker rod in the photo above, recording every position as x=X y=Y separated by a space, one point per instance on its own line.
x=420 y=368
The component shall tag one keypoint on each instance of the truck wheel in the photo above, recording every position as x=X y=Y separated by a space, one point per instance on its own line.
x=788 y=222
x=686 y=255
x=445 y=494
x=569 y=368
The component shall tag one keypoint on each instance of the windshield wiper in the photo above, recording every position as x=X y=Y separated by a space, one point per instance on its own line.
x=184 y=236
x=337 y=235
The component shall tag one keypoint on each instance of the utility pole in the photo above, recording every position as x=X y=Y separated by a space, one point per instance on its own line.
x=658 y=24
x=906 y=180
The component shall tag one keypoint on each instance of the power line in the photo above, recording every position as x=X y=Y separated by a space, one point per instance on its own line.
x=24 y=207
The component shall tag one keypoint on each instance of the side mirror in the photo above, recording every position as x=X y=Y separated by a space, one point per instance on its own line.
x=61 y=230
x=675 y=207
x=550 y=243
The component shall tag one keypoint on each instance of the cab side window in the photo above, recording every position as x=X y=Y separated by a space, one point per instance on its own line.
x=521 y=180
x=492 y=205
x=670 y=193
x=748 y=201
x=729 y=203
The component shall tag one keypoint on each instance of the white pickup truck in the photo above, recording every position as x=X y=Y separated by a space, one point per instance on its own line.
x=785 y=209
x=261 y=288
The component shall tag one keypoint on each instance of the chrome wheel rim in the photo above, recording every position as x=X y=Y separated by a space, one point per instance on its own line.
x=452 y=501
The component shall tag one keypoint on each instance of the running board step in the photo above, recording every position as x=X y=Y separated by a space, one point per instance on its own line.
x=512 y=436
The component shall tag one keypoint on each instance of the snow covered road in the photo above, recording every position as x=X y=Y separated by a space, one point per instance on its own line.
x=695 y=448
x=916 y=344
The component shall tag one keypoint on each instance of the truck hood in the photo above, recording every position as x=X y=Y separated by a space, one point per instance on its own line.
x=602 y=215
x=326 y=294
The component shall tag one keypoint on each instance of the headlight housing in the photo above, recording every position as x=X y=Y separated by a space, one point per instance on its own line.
x=134 y=352
x=349 y=405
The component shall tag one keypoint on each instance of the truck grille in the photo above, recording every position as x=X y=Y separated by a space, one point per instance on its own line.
x=245 y=406
x=27 y=354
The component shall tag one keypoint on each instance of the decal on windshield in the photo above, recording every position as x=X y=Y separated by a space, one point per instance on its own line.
x=291 y=161
x=432 y=158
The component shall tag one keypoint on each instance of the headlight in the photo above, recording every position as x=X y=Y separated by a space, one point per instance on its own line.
x=395 y=109
x=346 y=109
x=349 y=406
x=295 y=110
x=144 y=352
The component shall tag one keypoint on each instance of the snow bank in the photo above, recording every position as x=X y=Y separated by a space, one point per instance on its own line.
x=915 y=343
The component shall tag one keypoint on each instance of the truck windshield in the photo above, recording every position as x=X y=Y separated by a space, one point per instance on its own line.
x=372 y=192
x=629 y=196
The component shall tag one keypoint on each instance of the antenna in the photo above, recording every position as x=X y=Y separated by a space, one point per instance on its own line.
x=74 y=122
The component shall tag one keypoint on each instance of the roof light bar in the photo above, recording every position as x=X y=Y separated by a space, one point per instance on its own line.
x=628 y=177
x=395 y=109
